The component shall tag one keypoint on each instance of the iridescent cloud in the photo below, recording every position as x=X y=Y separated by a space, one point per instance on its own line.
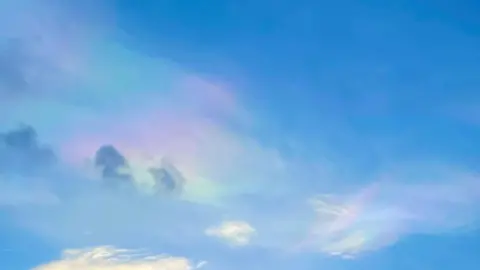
x=85 y=90
x=387 y=210
x=150 y=109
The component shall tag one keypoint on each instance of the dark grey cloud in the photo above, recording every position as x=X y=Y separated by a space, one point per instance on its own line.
x=168 y=179
x=22 y=153
x=111 y=162
x=114 y=168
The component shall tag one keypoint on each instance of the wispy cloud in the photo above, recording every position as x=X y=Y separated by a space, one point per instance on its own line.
x=384 y=212
x=112 y=258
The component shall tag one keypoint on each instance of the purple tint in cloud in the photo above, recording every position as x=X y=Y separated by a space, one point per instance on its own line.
x=150 y=153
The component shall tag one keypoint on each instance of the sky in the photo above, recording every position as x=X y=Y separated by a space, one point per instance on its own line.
x=182 y=135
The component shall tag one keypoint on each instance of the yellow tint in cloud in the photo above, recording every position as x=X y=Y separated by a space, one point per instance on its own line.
x=234 y=232
x=112 y=258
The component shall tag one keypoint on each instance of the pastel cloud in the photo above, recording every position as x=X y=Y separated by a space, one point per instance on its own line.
x=380 y=214
x=213 y=158
x=63 y=203
x=203 y=152
x=150 y=109
x=112 y=258
x=165 y=121
x=237 y=233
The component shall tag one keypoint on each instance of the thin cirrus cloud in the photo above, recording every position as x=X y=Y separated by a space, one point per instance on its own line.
x=236 y=233
x=112 y=258
x=382 y=213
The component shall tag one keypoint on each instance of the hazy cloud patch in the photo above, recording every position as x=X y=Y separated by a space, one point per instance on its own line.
x=236 y=233
x=22 y=153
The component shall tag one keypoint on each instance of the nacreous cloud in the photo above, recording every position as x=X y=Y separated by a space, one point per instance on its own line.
x=380 y=214
x=111 y=258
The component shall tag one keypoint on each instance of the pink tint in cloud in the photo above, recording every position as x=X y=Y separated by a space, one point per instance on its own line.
x=191 y=142
x=215 y=160
x=381 y=213
x=153 y=134
x=183 y=127
x=208 y=94
x=211 y=97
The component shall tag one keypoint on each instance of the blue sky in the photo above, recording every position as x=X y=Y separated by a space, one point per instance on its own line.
x=239 y=134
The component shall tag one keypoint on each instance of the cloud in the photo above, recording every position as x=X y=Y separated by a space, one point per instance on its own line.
x=154 y=178
x=176 y=130
x=89 y=214
x=112 y=258
x=24 y=163
x=110 y=160
x=160 y=130
x=112 y=165
x=22 y=153
x=382 y=213
x=145 y=122
x=237 y=233
x=200 y=158
x=63 y=203
x=168 y=179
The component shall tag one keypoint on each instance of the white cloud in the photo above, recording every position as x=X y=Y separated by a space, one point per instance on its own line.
x=237 y=233
x=112 y=258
